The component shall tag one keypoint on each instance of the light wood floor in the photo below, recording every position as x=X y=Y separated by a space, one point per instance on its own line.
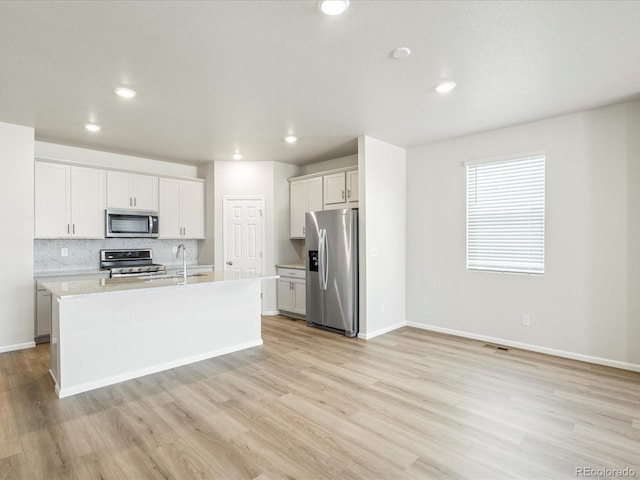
x=315 y=405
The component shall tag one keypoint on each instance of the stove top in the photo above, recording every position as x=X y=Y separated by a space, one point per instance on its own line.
x=126 y=263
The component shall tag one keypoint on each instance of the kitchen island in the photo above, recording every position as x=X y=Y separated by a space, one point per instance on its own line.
x=105 y=331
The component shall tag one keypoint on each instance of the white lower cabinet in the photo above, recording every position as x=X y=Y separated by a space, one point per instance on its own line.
x=292 y=292
x=43 y=315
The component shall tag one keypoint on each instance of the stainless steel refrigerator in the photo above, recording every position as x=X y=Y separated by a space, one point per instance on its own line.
x=332 y=270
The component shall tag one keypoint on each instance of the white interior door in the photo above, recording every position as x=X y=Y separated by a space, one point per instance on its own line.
x=243 y=236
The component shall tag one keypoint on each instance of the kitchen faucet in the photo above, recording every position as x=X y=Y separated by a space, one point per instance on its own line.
x=184 y=262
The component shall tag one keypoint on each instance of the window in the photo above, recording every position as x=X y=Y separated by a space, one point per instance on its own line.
x=505 y=215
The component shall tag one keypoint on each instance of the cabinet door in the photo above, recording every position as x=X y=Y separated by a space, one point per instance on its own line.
x=87 y=202
x=285 y=296
x=314 y=195
x=169 y=208
x=352 y=186
x=192 y=209
x=297 y=205
x=43 y=313
x=119 y=190
x=299 y=292
x=52 y=215
x=334 y=189
x=144 y=191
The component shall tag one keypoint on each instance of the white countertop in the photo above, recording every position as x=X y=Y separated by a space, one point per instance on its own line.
x=69 y=272
x=299 y=266
x=97 y=270
x=103 y=286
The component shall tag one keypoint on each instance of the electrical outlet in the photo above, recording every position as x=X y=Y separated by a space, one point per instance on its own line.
x=64 y=252
x=175 y=250
x=526 y=320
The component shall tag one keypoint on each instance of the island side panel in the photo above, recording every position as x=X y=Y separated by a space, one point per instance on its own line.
x=54 y=344
x=116 y=336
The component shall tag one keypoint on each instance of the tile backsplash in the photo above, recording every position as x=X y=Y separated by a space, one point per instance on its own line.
x=85 y=254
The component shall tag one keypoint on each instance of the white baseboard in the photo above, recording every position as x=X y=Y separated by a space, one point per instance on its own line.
x=17 y=346
x=533 y=348
x=382 y=331
x=103 y=382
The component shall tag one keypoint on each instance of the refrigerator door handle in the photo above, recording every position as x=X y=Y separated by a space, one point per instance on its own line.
x=325 y=260
x=322 y=257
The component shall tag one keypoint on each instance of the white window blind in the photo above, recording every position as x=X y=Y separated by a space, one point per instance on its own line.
x=505 y=215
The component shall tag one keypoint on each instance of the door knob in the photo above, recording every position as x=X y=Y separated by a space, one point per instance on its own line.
x=229 y=263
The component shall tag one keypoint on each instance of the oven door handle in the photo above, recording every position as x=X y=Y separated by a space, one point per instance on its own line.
x=150 y=223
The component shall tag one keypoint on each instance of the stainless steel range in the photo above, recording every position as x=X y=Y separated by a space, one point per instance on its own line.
x=130 y=263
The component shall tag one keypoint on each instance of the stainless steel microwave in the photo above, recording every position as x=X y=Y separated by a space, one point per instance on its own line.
x=125 y=223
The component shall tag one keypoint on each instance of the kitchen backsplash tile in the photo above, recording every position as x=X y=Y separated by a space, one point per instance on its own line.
x=84 y=254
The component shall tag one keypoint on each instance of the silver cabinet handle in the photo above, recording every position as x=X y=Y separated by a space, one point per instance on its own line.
x=343 y=194
x=348 y=193
x=184 y=230
x=130 y=202
x=135 y=201
x=304 y=230
x=68 y=228
x=74 y=229
x=229 y=262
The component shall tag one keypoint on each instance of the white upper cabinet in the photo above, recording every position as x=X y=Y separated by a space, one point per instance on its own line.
x=131 y=191
x=335 y=191
x=181 y=209
x=304 y=196
x=87 y=202
x=192 y=209
x=69 y=201
x=352 y=187
x=341 y=190
x=52 y=208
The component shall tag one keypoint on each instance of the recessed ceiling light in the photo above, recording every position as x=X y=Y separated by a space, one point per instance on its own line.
x=291 y=139
x=92 y=127
x=334 y=7
x=445 y=87
x=237 y=156
x=125 y=92
x=400 y=52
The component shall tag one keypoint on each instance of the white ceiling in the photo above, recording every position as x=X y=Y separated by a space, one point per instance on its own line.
x=219 y=76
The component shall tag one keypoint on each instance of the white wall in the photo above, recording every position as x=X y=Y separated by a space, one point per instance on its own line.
x=342 y=162
x=585 y=305
x=16 y=237
x=52 y=151
x=382 y=199
x=235 y=178
x=633 y=225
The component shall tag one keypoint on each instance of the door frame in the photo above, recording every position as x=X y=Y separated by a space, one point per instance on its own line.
x=225 y=205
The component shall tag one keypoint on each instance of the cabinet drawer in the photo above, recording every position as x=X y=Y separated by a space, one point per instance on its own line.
x=292 y=272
